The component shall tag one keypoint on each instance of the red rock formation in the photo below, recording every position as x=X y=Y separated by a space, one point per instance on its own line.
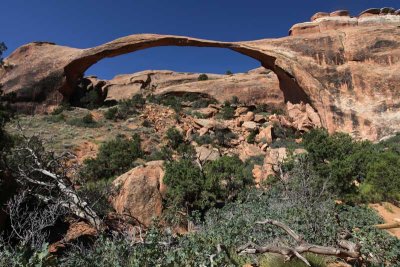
x=345 y=68
x=256 y=86
x=139 y=193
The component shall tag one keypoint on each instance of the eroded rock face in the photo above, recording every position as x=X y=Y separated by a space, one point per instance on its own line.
x=139 y=193
x=259 y=86
x=345 y=68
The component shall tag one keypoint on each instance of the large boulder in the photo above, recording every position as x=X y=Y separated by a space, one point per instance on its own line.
x=303 y=116
x=139 y=193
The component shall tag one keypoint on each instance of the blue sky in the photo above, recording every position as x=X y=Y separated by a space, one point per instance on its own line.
x=86 y=23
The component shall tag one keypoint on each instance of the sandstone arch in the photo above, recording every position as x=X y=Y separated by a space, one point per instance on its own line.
x=75 y=69
x=344 y=67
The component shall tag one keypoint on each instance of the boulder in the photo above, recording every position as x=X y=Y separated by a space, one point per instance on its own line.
x=203 y=131
x=205 y=153
x=240 y=111
x=247 y=151
x=248 y=117
x=265 y=135
x=205 y=123
x=207 y=112
x=249 y=125
x=139 y=193
x=259 y=118
x=340 y=13
x=303 y=116
x=319 y=15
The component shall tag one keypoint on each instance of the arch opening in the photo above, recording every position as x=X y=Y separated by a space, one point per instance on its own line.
x=74 y=71
x=173 y=58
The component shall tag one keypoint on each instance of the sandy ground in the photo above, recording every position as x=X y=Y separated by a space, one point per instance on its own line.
x=390 y=213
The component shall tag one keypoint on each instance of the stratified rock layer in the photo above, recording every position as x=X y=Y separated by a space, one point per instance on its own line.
x=259 y=86
x=345 y=68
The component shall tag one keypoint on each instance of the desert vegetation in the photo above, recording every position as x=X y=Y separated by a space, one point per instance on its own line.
x=233 y=222
x=81 y=197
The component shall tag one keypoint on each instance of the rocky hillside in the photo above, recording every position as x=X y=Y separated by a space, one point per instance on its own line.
x=164 y=168
x=344 y=67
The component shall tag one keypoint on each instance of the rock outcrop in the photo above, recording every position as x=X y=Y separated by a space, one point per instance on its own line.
x=259 y=86
x=139 y=193
x=345 y=68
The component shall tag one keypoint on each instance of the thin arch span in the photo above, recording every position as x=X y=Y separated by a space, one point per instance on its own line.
x=75 y=69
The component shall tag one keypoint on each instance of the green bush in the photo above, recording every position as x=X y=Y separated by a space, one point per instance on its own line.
x=221 y=181
x=114 y=158
x=252 y=136
x=338 y=158
x=85 y=121
x=203 y=102
x=174 y=137
x=56 y=118
x=202 y=77
x=235 y=100
x=383 y=177
x=125 y=108
x=227 y=112
x=223 y=137
x=111 y=113
x=228 y=72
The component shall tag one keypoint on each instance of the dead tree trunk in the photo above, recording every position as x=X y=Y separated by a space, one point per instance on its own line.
x=348 y=249
x=45 y=176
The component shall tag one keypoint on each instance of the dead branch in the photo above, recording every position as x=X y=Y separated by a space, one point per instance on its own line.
x=44 y=174
x=348 y=249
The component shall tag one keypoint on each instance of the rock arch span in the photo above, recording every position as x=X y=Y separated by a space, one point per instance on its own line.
x=74 y=70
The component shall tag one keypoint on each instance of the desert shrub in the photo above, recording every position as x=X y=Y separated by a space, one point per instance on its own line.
x=91 y=100
x=171 y=101
x=288 y=143
x=338 y=157
x=61 y=108
x=56 y=118
x=85 y=121
x=223 y=136
x=225 y=178
x=260 y=108
x=383 y=178
x=203 y=102
x=203 y=140
x=111 y=113
x=228 y=72
x=221 y=181
x=18 y=256
x=146 y=123
x=174 y=137
x=202 y=77
x=235 y=100
x=125 y=108
x=164 y=153
x=114 y=158
x=282 y=132
x=185 y=183
x=227 y=112
x=269 y=260
x=252 y=136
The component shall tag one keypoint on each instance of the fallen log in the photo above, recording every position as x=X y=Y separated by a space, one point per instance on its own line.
x=348 y=249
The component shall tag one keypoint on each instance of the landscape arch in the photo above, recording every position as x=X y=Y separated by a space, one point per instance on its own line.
x=76 y=69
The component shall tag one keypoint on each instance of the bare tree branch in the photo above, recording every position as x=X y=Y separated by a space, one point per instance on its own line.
x=350 y=249
x=45 y=176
